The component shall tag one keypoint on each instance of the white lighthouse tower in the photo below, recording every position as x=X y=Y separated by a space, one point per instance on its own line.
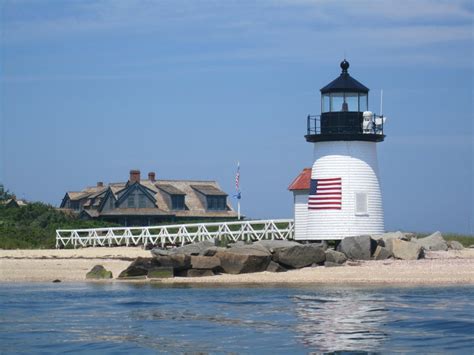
x=344 y=197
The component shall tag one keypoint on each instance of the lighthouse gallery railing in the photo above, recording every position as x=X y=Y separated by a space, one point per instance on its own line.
x=178 y=234
x=373 y=127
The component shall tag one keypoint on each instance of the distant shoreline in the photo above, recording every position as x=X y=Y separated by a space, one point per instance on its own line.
x=439 y=268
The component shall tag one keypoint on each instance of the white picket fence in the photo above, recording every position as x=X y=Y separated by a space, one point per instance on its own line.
x=176 y=235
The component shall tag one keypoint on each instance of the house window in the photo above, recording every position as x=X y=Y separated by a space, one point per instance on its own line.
x=361 y=204
x=111 y=203
x=74 y=205
x=131 y=201
x=141 y=201
x=216 y=203
x=177 y=202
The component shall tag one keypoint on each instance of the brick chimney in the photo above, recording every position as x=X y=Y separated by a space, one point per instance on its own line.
x=134 y=176
x=100 y=184
x=151 y=176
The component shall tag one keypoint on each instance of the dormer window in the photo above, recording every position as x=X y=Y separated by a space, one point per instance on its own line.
x=177 y=202
x=216 y=203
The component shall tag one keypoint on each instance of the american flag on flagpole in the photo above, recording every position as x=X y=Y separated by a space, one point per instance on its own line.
x=325 y=194
x=237 y=183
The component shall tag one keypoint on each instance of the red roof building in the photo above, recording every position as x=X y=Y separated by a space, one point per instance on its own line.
x=302 y=181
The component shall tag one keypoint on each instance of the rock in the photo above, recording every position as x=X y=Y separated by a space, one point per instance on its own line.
x=381 y=253
x=385 y=240
x=195 y=273
x=335 y=257
x=273 y=245
x=176 y=261
x=56 y=281
x=434 y=242
x=299 y=256
x=190 y=249
x=139 y=267
x=275 y=267
x=406 y=250
x=99 y=272
x=160 y=273
x=455 y=245
x=358 y=248
x=331 y=264
x=253 y=246
x=205 y=262
x=211 y=251
x=237 y=244
x=243 y=260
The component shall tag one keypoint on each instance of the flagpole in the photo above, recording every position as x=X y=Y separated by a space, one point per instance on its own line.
x=237 y=189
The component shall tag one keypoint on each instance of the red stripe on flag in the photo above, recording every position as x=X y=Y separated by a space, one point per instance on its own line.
x=324 y=208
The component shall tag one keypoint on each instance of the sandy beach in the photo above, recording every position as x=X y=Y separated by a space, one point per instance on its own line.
x=452 y=267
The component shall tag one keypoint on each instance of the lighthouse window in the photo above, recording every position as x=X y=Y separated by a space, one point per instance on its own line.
x=337 y=102
x=352 y=102
x=326 y=105
x=361 y=204
x=363 y=106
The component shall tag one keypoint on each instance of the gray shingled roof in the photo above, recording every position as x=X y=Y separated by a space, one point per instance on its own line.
x=209 y=190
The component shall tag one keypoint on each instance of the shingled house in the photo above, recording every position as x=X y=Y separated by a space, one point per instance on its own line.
x=151 y=201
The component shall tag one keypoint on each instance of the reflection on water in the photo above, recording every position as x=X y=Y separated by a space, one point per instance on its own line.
x=342 y=321
x=125 y=318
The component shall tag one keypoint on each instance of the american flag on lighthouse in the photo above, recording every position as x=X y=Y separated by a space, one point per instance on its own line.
x=325 y=194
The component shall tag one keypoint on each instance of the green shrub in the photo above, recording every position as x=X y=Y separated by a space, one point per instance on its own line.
x=34 y=226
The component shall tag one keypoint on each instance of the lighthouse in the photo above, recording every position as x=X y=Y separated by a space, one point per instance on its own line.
x=340 y=195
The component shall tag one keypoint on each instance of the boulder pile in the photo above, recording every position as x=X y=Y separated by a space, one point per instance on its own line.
x=207 y=259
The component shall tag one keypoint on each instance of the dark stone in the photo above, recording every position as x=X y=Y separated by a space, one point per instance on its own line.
x=211 y=251
x=99 y=272
x=299 y=256
x=176 y=261
x=205 y=262
x=275 y=267
x=160 y=273
x=358 y=248
x=196 y=273
x=139 y=267
x=56 y=281
x=335 y=257
x=190 y=249
x=382 y=253
x=243 y=260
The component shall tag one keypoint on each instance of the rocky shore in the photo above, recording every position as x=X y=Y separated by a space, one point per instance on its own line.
x=207 y=259
x=390 y=258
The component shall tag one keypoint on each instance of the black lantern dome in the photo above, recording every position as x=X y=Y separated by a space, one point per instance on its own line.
x=344 y=107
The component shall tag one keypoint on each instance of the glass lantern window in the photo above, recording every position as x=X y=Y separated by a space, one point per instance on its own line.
x=363 y=102
x=326 y=103
x=352 y=101
x=337 y=102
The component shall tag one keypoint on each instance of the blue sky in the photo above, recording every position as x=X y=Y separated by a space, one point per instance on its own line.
x=92 y=89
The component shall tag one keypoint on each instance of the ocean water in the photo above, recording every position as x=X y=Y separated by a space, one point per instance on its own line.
x=150 y=318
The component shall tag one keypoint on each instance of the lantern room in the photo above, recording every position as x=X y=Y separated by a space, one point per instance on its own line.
x=344 y=112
